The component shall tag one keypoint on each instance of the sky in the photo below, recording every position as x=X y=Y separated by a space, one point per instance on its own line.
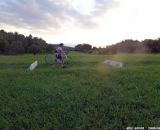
x=96 y=22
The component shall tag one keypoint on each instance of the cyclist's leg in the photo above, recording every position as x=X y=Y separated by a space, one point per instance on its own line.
x=62 y=61
x=56 y=60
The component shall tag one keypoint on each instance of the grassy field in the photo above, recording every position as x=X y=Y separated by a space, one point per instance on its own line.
x=84 y=96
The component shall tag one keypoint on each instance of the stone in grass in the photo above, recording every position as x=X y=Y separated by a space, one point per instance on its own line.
x=112 y=63
x=33 y=65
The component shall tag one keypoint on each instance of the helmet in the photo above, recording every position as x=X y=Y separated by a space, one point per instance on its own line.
x=61 y=44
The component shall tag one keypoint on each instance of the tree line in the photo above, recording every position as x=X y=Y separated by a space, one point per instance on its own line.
x=14 y=43
x=126 y=46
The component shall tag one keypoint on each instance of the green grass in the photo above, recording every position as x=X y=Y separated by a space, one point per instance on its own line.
x=86 y=95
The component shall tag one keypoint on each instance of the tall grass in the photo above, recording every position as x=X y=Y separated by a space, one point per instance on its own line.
x=85 y=95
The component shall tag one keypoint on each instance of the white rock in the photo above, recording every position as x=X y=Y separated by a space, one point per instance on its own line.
x=33 y=65
x=113 y=63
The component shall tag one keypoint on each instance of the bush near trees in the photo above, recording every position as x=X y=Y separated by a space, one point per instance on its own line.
x=3 y=45
x=83 y=47
x=153 y=45
x=126 y=46
x=16 y=47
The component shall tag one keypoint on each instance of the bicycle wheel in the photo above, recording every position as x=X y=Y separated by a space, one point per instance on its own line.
x=68 y=61
x=50 y=59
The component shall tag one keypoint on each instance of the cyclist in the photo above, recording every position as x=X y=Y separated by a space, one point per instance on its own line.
x=58 y=55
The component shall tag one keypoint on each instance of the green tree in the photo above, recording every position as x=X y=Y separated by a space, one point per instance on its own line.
x=16 y=47
x=83 y=48
x=34 y=49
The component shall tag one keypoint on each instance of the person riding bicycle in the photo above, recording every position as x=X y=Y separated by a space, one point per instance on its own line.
x=58 y=54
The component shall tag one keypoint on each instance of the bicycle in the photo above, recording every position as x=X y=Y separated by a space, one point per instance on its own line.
x=50 y=59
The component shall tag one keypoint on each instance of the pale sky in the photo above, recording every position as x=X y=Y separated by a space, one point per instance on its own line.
x=96 y=22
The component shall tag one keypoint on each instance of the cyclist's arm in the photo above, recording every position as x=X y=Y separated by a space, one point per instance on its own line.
x=64 y=53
